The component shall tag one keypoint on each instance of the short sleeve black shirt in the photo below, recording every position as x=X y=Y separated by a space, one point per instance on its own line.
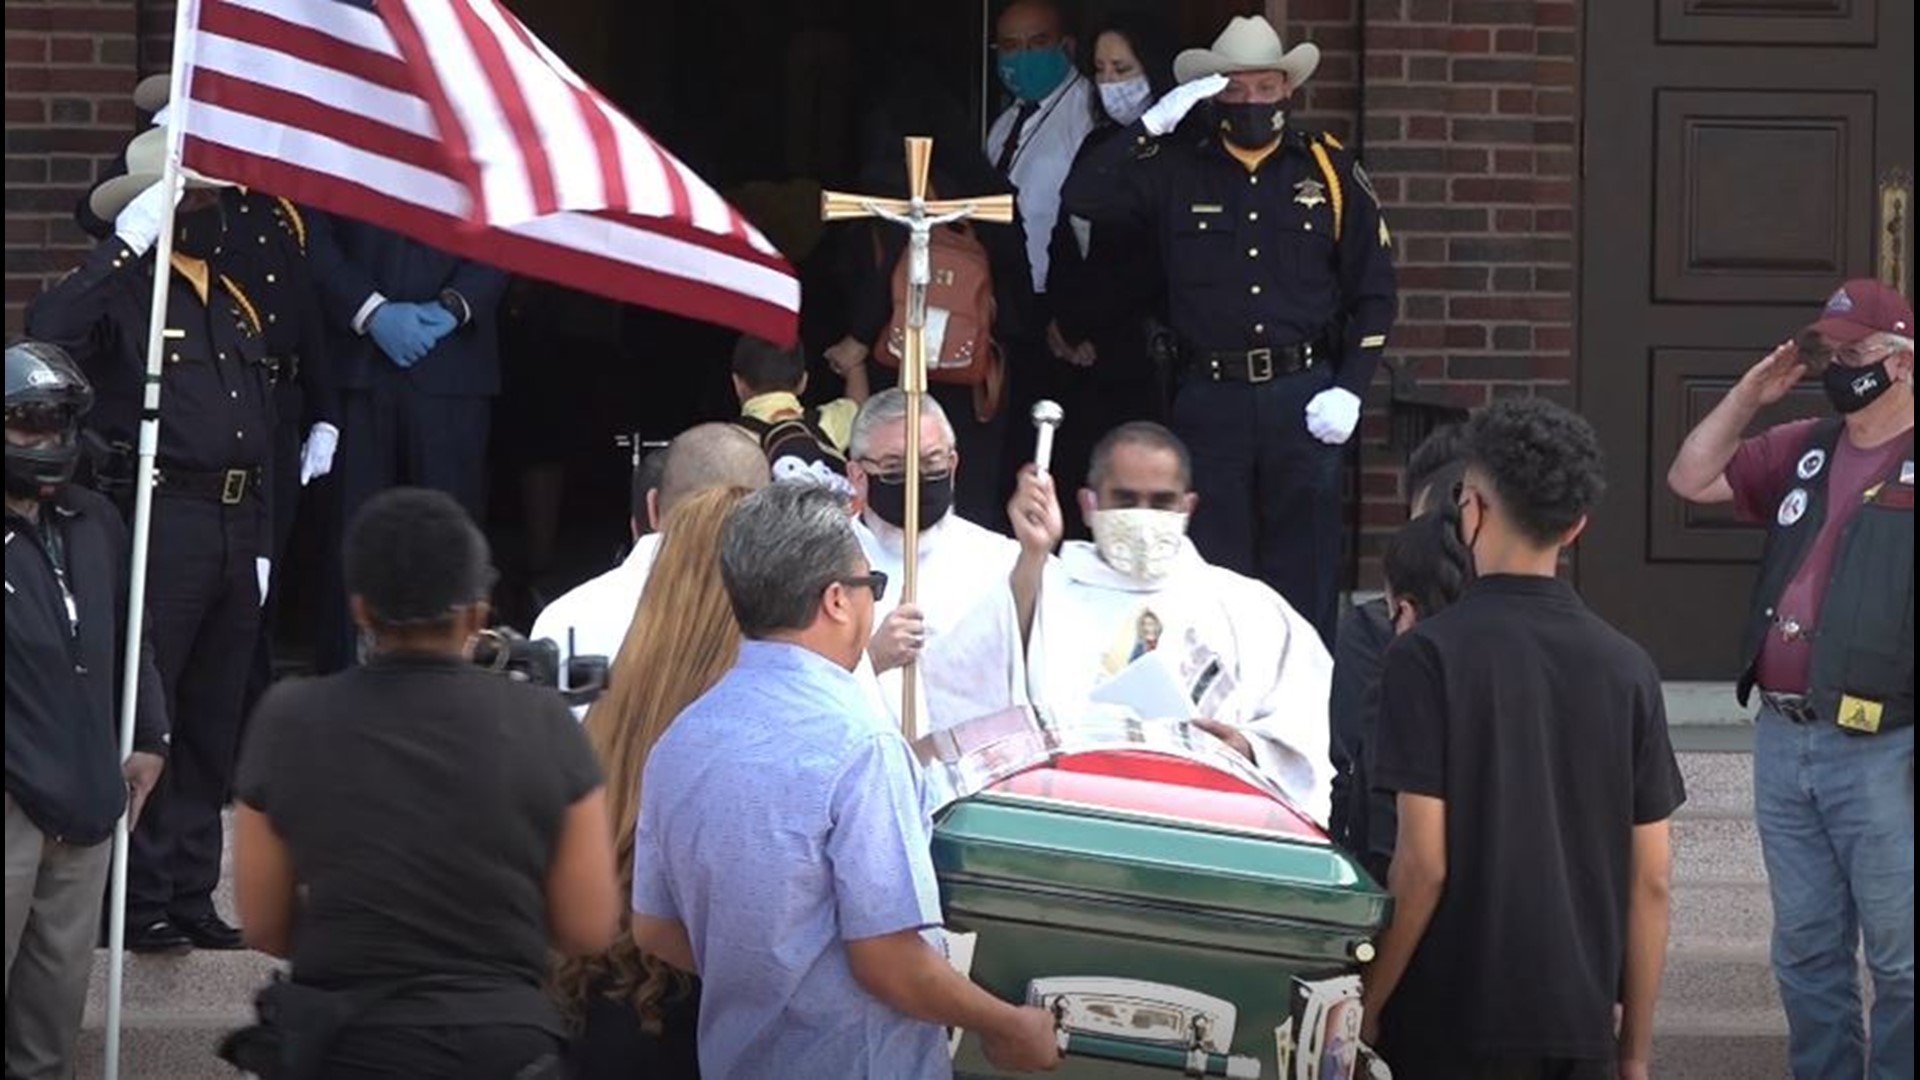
x=1543 y=730
x=421 y=801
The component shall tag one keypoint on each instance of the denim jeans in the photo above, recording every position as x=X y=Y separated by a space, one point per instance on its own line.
x=1836 y=825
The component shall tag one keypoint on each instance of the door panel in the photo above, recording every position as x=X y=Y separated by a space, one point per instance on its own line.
x=1727 y=191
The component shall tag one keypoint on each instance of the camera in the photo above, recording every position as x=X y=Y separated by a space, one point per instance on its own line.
x=507 y=651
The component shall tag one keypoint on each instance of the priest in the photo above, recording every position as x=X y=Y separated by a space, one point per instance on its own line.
x=963 y=634
x=1137 y=618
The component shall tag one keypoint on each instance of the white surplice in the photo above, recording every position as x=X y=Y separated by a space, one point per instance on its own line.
x=1274 y=674
x=971 y=664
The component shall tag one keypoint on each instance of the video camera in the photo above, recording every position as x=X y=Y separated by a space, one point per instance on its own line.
x=507 y=651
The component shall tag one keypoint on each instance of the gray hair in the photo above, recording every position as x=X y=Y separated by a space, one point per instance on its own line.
x=1893 y=341
x=890 y=407
x=781 y=548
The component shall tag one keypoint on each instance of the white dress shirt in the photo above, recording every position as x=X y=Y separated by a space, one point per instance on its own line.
x=599 y=611
x=1041 y=160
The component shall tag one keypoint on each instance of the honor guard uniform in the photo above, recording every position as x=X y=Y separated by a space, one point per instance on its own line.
x=210 y=534
x=1280 y=291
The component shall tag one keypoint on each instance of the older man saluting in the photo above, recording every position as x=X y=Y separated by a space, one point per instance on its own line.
x=1829 y=643
x=1251 y=668
x=1280 y=289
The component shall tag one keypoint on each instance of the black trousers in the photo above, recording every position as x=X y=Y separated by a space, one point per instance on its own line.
x=391 y=435
x=289 y=404
x=1412 y=1067
x=1270 y=493
x=203 y=608
x=454 y=1052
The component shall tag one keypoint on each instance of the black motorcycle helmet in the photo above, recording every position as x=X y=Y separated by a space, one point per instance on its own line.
x=46 y=396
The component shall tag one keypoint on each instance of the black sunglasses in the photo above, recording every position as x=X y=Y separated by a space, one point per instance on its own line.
x=873 y=579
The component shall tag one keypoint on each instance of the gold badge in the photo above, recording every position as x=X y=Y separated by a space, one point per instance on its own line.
x=1310 y=193
x=1859 y=714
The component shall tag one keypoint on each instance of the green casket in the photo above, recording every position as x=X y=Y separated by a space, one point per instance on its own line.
x=1146 y=884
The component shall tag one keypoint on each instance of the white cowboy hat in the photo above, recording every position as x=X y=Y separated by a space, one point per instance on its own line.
x=146 y=159
x=1249 y=43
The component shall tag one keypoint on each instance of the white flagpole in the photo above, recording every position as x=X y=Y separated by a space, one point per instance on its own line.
x=184 y=19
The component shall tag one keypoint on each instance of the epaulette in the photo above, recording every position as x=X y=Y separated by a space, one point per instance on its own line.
x=296 y=224
x=246 y=303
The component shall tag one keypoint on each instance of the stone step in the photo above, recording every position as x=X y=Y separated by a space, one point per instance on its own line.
x=1721 y=913
x=1723 y=850
x=1723 y=989
x=1714 y=1056
x=176 y=1010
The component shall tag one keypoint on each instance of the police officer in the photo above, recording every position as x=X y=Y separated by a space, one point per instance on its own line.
x=67 y=567
x=211 y=532
x=1829 y=644
x=414 y=344
x=1280 y=291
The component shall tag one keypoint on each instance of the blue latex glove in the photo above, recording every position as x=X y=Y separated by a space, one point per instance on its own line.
x=406 y=332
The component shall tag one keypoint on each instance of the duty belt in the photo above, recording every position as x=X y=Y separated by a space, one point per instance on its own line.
x=1253 y=365
x=1795 y=707
x=230 y=487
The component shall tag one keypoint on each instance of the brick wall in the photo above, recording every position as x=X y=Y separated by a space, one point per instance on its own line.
x=70 y=74
x=1471 y=138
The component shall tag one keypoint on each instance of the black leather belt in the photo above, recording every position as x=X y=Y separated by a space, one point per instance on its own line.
x=1252 y=365
x=229 y=487
x=1795 y=707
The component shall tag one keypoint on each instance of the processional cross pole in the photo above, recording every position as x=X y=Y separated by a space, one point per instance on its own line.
x=919 y=216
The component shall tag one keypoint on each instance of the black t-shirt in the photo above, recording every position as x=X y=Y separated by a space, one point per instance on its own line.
x=421 y=801
x=1543 y=730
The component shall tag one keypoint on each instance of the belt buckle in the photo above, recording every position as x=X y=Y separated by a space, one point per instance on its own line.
x=1259 y=365
x=233 y=487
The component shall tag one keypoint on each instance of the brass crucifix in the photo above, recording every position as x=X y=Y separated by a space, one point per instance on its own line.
x=919 y=217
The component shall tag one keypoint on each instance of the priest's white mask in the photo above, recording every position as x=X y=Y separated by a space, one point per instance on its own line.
x=1138 y=542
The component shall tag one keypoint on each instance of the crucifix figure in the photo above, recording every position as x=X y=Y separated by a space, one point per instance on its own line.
x=919 y=216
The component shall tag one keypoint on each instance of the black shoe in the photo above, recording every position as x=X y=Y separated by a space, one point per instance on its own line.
x=158 y=936
x=210 y=932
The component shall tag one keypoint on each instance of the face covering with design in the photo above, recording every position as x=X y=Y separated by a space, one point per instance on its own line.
x=1032 y=74
x=889 y=501
x=1126 y=100
x=1140 y=543
x=1250 y=125
x=1851 y=389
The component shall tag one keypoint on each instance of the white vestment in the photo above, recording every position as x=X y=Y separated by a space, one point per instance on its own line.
x=971 y=664
x=1273 y=677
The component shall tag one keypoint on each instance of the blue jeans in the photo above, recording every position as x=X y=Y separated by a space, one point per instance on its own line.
x=1836 y=825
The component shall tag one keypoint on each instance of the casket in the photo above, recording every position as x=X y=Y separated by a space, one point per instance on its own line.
x=1142 y=881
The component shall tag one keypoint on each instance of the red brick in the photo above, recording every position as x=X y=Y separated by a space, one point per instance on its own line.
x=1553 y=338
x=1549 y=162
x=21 y=79
x=1553 y=192
x=1428 y=69
x=1553 y=220
x=1466 y=336
x=1422 y=251
x=72 y=50
x=1555 y=72
x=95 y=19
x=1513 y=279
x=1555 y=103
x=1445 y=278
x=115 y=112
x=25 y=48
x=1514 y=40
x=1513 y=220
x=25 y=110
x=1470 y=101
x=1467 y=42
x=1511 y=308
x=1426 y=189
x=1512 y=101
x=1557 y=13
x=1419 y=336
x=1386 y=66
x=1513 y=162
x=1478 y=190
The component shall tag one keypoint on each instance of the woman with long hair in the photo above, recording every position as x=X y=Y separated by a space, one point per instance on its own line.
x=636 y=1015
x=1105 y=286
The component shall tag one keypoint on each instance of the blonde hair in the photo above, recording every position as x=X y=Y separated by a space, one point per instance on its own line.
x=683 y=638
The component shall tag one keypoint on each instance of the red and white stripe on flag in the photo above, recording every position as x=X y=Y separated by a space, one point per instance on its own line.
x=447 y=120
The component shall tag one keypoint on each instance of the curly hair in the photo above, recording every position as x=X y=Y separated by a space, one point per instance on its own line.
x=1426 y=564
x=1543 y=460
x=413 y=556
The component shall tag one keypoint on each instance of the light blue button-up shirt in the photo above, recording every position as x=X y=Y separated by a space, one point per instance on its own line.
x=780 y=818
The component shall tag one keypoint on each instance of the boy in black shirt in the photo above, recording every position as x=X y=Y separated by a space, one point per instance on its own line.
x=1527 y=742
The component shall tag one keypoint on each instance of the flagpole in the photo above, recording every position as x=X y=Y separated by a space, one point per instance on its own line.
x=171 y=181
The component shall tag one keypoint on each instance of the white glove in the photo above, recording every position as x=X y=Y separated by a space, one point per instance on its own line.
x=1332 y=415
x=138 y=223
x=1176 y=103
x=263 y=569
x=316 y=454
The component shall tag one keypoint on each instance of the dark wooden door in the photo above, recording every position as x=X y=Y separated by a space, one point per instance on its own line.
x=1742 y=157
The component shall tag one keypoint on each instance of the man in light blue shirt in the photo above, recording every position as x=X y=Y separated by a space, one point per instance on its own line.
x=782 y=851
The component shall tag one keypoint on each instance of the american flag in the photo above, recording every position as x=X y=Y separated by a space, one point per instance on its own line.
x=448 y=121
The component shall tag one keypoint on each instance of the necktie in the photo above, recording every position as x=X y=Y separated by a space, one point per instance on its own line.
x=1005 y=162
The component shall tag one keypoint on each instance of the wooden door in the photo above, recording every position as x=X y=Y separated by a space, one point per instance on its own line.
x=1742 y=158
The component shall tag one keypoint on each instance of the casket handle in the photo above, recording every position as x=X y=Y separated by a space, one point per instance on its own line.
x=1193 y=1062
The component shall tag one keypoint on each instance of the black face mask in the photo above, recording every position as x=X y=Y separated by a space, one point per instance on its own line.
x=1250 y=125
x=889 y=501
x=1854 y=388
x=198 y=234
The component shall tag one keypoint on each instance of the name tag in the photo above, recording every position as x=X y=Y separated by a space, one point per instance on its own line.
x=1859 y=714
x=1208 y=208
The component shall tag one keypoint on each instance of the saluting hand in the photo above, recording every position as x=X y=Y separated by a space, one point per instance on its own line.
x=1769 y=380
x=902 y=634
x=1174 y=106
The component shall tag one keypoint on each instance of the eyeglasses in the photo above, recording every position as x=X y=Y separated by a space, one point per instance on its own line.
x=873 y=579
x=935 y=466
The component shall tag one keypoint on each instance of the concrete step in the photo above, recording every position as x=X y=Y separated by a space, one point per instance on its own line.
x=1721 y=913
x=176 y=1010
x=1718 y=784
x=1711 y=1056
x=1720 y=850
x=1719 y=988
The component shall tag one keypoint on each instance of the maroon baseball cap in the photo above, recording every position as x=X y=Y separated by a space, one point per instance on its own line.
x=1861 y=308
